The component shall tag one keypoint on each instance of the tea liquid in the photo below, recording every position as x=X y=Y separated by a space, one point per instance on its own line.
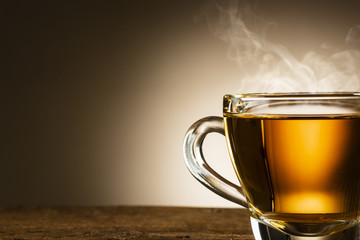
x=297 y=165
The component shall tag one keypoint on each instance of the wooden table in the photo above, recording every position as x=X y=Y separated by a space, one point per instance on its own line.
x=124 y=222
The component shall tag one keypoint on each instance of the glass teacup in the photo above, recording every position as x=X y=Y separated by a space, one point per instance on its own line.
x=297 y=158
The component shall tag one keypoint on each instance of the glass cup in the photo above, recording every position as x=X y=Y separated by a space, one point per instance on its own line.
x=297 y=158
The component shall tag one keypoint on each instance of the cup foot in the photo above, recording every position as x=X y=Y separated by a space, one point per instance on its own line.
x=262 y=231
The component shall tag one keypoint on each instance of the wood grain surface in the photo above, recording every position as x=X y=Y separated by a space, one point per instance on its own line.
x=124 y=222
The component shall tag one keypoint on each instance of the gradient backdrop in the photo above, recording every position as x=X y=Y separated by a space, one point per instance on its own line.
x=96 y=96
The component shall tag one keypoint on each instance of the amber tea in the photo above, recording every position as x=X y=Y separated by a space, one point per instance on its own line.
x=298 y=170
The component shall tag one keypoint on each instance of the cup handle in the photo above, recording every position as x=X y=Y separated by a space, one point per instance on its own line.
x=199 y=168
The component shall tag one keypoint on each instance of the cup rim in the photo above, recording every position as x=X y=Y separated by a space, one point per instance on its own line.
x=293 y=95
x=263 y=104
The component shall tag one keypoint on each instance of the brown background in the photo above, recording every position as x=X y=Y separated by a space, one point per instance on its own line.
x=96 y=96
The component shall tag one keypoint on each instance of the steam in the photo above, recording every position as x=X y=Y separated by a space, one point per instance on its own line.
x=273 y=67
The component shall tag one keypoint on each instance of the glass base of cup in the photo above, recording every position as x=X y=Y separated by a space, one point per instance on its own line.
x=263 y=231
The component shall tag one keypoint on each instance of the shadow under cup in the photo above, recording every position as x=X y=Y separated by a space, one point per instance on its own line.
x=297 y=158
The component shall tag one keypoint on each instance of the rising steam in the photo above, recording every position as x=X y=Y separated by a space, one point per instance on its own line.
x=274 y=69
